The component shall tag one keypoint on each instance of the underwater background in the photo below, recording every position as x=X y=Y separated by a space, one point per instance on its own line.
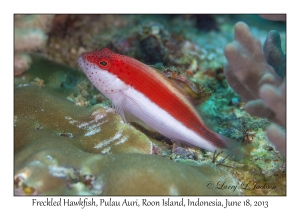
x=68 y=140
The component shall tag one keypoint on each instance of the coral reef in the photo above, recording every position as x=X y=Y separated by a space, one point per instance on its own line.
x=68 y=141
x=82 y=33
x=250 y=76
x=153 y=44
x=59 y=147
x=59 y=171
x=30 y=35
x=94 y=130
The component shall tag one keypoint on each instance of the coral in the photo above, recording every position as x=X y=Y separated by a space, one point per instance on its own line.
x=83 y=32
x=62 y=169
x=250 y=76
x=51 y=118
x=274 y=54
x=148 y=38
x=275 y=99
x=54 y=157
x=59 y=146
x=30 y=35
x=152 y=43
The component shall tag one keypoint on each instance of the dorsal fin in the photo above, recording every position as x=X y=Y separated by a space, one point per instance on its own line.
x=195 y=93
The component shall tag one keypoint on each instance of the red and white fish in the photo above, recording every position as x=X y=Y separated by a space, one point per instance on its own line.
x=135 y=87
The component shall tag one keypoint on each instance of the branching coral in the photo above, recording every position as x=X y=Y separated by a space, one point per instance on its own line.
x=256 y=75
x=30 y=34
x=274 y=54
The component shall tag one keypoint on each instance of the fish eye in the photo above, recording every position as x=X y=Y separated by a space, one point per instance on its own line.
x=103 y=63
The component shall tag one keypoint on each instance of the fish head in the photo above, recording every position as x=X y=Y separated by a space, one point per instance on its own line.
x=101 y=68
x=98 y=60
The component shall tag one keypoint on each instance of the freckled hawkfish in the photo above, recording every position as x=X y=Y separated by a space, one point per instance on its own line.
x=140 y=90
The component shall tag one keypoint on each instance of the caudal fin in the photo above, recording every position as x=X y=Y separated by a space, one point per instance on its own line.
x=235 y=148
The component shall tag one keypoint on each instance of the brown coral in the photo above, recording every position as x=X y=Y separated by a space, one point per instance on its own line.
x=254 y=79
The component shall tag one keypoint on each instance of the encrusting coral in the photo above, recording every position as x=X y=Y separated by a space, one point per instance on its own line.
x=52 y=117
x=250 y=74
x=60 y=171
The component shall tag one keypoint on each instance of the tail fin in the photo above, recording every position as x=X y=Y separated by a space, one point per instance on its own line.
x=236 y=149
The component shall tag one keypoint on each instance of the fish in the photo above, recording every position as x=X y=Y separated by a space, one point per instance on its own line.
x=136 y=88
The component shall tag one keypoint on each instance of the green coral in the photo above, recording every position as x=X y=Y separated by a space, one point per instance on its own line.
x=40 y=114
x=66 y=170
